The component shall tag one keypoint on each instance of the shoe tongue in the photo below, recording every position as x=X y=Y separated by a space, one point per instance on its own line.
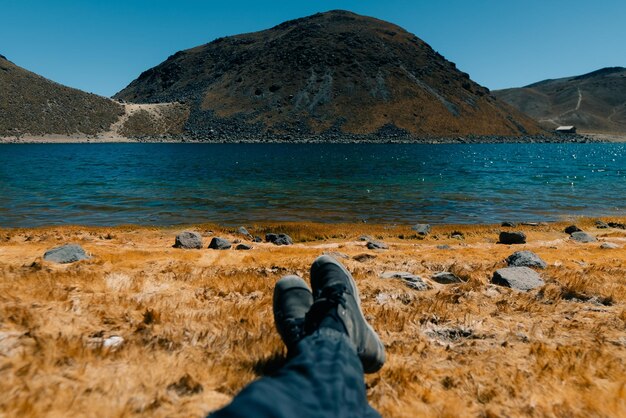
x=323 y=312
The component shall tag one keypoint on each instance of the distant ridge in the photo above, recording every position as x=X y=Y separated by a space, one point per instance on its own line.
x=31 y=104
x=331 y=72
x=593 y=102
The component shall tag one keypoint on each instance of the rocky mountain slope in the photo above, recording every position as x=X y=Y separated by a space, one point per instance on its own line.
x=31 y=104
x=594 y=102
x=334 y=72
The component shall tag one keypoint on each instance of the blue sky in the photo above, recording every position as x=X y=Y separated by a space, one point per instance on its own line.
x=100 y=46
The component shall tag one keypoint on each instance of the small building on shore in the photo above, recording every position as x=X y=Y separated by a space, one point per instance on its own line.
x=566 y=130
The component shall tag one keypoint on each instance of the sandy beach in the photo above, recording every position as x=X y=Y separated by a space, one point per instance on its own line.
x=144 y=329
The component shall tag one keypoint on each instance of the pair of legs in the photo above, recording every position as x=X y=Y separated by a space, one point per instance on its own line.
x=330 y=346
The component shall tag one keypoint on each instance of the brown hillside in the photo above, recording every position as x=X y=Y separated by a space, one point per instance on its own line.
x=31 y=104
x=594 y=102
x=329 y=71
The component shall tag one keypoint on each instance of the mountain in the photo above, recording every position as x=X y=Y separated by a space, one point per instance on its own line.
x=331 y=72
x=594 y=102
x=31 y=104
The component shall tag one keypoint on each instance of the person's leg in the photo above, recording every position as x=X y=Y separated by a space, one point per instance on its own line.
x=324 y=377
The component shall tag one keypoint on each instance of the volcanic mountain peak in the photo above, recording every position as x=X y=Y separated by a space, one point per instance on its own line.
x=333 y=71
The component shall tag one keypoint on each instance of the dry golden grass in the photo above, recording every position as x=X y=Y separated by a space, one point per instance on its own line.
x=197 y=324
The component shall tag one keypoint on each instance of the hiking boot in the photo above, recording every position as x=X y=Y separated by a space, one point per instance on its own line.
x=337 y=305
x=292 y=300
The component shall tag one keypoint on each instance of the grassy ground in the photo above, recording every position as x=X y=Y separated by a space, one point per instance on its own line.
x=197 y=324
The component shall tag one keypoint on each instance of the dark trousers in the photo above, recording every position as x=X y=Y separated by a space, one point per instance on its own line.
x=324 y=379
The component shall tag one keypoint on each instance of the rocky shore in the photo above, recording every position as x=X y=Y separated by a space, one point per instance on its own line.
x=173 y=322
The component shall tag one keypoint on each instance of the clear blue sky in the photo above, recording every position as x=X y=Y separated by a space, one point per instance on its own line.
x=102 y=45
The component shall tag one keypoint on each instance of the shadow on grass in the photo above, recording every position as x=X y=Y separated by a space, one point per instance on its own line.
x=269 y=365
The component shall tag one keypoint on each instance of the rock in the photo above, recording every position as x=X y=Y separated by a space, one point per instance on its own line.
x=512 y=237
x=582 y=237
x=243 y=231
x=218 y=243
x=365 y=238
x=445 y=277
x=65 y=254
x=571 y=229
x=188 y=240
x=243 y=247
x=278 y=239
x=609 y=246
x=337 y=255
x=457 y=235
x=257 y=239
x=520 y=278
x=443 y=247
x=421 y=229
x=377 y=245
x=185 y=386
x=530 y=223
x=617 y=225
x=525 y=259
x=361 y=258
x=601 y=224
x=113 y=342
x=411 y=280
x=509 y=224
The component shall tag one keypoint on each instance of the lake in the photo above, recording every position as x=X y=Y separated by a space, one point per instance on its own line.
x=170 y=184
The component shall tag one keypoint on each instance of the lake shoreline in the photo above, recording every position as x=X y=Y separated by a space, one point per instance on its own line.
x=314 y=139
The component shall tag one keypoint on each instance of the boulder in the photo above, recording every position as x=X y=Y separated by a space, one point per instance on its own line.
x=512 y=237
x=218 y=243
x=609 y=246
x=409 y=279
x=243 y=231
x=520 y=278
x=243 y=247
x=188 y=240
x=509 y=224
x=421 y=229
x=617 y=225
x=457 y=235
x=582 y=237
x=377 y=245
x=601 y=224
x=525 y=259
x=361 y=258
x=571 y=229
x=65 y=254
x=279 y=239
x=445 y=277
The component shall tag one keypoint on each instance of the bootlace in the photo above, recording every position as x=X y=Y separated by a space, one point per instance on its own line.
x=331 y=297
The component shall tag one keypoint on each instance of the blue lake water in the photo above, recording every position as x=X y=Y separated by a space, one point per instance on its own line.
x=169 y=184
